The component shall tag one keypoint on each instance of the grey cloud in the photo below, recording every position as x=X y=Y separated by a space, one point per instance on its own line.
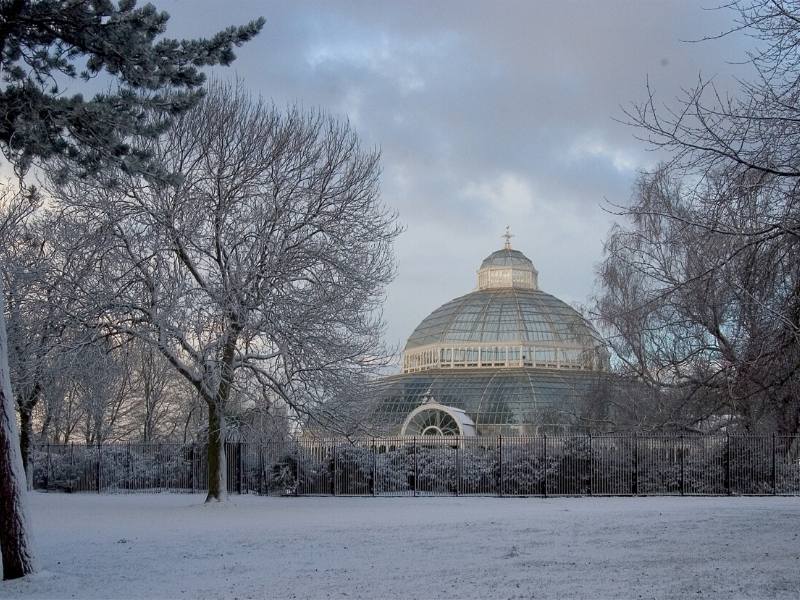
x=487 y=114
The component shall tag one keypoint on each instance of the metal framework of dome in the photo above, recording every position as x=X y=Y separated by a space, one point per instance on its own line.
x=503 y=401
x=508 y=355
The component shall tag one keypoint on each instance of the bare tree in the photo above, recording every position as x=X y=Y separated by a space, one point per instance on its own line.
x=725 y=146
x=159 y=395
x=107 y=396
x=41 y=331
x=701 y=304
x=756 y=129
x=701 y=291
x=264 y=263
x=15 y=544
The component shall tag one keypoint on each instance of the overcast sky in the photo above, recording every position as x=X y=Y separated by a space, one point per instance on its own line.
x=487 y=114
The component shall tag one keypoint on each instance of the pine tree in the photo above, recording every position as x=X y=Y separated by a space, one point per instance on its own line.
x=46 y=44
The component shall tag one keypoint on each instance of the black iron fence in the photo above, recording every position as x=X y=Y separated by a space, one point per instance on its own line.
x=435 y=466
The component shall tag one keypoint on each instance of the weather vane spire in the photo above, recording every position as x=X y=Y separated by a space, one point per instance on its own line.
x=508 y=235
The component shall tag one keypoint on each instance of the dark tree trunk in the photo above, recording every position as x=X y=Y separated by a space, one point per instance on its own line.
x=14 y=543
x=217 y=464
x=25 y=437
x=788 y=416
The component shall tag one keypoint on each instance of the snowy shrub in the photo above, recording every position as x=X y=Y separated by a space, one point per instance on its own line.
x=478 y=470
x=568 y=468
x=146 y=466
x=394 y=470
x=436 y=469
x=787 y=479
x=353 y=469
x=68 y=468
x=299 y=473
x=112 y=467
x=283 y=475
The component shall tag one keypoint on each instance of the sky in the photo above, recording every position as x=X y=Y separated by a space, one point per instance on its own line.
x=487 y=114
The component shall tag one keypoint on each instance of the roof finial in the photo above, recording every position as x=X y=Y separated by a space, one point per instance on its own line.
x=508 y=235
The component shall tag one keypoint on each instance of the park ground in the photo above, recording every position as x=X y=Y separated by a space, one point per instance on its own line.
x=174 y=546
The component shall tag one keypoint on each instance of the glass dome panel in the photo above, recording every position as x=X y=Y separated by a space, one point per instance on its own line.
x=503 y=315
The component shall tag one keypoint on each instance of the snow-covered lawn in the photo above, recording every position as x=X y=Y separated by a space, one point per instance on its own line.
x=174 y=546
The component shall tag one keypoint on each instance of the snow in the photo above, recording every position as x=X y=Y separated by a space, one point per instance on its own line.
x=174 y=546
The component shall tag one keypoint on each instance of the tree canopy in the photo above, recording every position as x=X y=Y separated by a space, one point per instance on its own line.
x=45 y=44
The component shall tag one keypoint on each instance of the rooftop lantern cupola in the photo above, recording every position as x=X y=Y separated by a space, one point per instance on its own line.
x=508 y=268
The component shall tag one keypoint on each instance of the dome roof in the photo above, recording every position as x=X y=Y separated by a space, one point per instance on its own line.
x=507 y=257
x=505 y=315
x=508 y=321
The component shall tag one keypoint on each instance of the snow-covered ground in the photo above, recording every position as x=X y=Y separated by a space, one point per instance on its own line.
x=174 y=546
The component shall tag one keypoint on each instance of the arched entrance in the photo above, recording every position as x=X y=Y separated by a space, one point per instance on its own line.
x=434 y=419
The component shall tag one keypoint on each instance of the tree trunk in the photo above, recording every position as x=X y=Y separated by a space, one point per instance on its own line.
x=14 y=543
x=217 y=465
x=788 y=416
x=25 y=437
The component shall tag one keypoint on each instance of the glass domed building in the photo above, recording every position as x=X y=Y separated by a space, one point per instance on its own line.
x=507 y=359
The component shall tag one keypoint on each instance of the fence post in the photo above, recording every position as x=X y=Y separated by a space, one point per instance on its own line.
x=774 y=468
x=262 y=467
x=192 y=483
x=238 y=471
x=500 y=465
x=374 y=468
x=682 y=461
x=635 y=464
x=99 y=468
x=415 y=466
x=728 y=463
x=297 y=468
x=333 y=478
x=158 y=455
x=47 y=471
x=544 y=478
x=591 y=464
x=458 y=466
